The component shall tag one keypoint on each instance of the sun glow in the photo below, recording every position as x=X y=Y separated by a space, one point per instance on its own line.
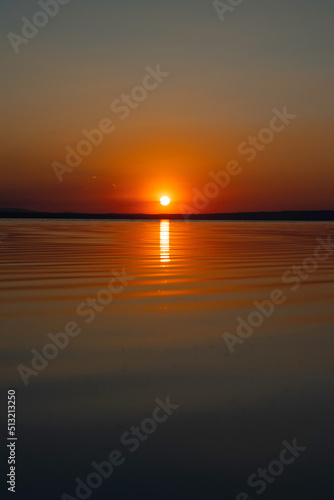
x=165 y=201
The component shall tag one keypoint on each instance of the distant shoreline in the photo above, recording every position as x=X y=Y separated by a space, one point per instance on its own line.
x=293 y=216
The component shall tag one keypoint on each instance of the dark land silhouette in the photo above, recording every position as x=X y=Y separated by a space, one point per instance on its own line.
x=312 y=215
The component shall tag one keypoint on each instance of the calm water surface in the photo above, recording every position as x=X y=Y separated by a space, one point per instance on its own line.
x=162 y=335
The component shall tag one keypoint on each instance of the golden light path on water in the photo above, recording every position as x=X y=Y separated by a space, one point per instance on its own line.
x=164 y=241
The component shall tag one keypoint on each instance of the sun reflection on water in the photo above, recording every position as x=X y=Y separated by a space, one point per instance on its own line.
x=164 y=241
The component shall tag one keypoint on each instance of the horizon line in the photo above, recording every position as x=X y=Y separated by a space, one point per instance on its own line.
x=285 y=215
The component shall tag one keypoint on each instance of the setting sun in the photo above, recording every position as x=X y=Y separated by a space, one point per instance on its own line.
x=165 y=201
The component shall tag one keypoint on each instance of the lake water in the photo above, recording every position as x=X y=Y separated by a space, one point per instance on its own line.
x=160 y=334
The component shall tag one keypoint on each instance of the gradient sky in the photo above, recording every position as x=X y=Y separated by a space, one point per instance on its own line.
x=225 y=79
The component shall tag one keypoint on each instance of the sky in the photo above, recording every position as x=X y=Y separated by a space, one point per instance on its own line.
x=220 y=80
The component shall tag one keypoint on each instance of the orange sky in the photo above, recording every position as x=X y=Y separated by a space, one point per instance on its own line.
x=222 y=86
